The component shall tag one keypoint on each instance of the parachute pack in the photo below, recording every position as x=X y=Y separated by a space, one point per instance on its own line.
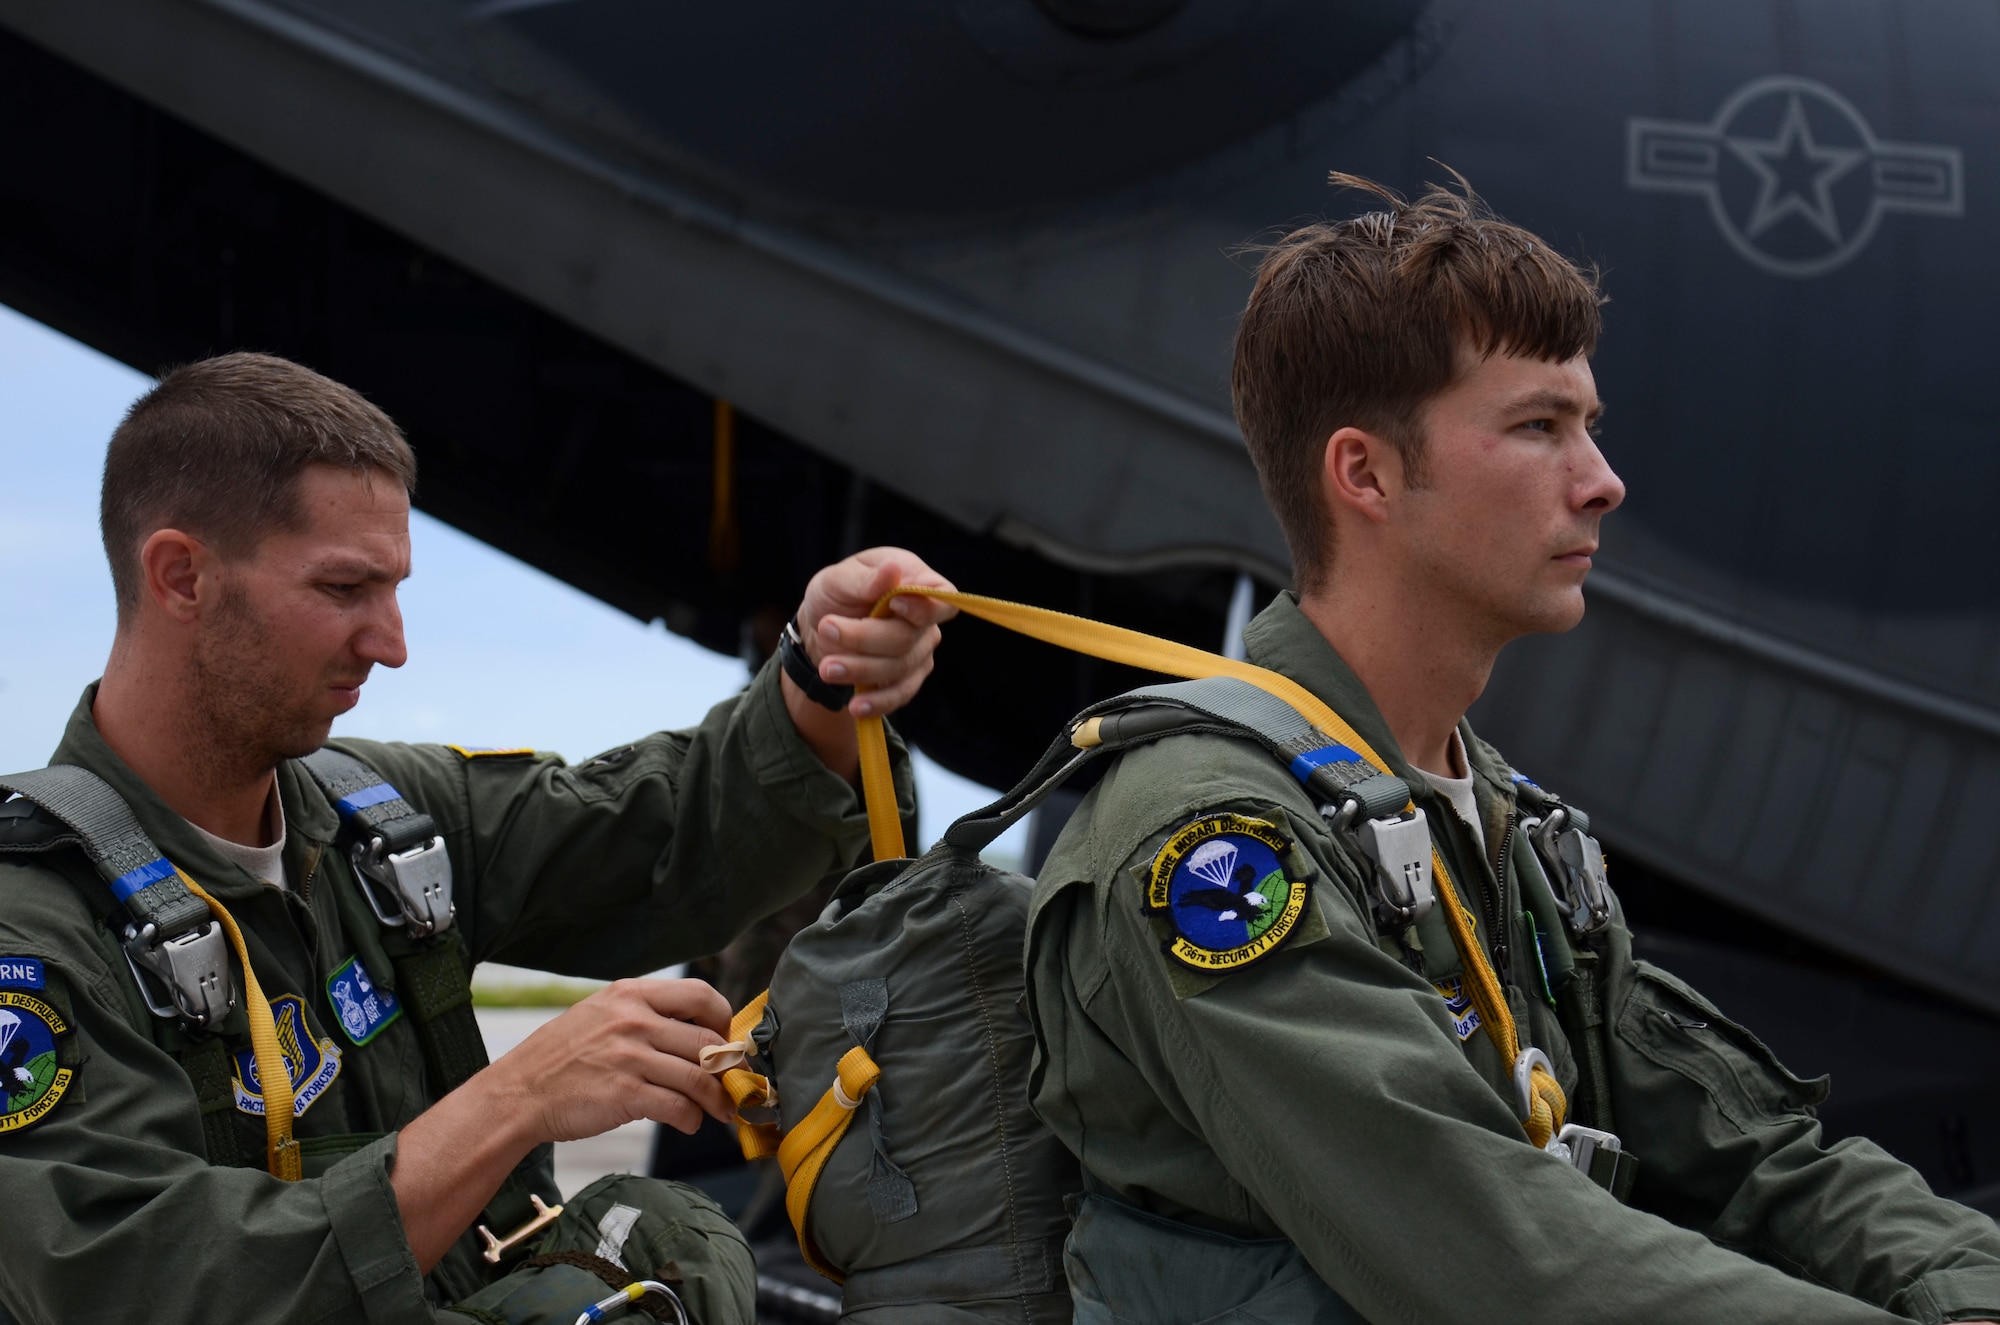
x=888 y=1062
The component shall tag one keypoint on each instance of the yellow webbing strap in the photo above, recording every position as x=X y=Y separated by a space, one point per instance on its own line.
x=808 y=1146
x=1134 y=649
x=751 y=1090
x=281 y=1152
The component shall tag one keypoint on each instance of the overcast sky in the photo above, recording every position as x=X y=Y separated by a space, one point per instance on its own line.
x=500 y=654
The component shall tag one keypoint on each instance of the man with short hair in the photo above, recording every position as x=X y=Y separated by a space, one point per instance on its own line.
x=1327 y=1059
x=244 y=1079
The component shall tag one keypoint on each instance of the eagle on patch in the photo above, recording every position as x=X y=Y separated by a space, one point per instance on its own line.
x=32 y=1079
x=1221 y=881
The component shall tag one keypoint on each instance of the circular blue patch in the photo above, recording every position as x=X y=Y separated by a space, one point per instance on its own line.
x=31 y=1077
x=1221 y=881
x=1227 y=891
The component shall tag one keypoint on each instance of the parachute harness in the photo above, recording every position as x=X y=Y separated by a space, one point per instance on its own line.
x=1547 y=1107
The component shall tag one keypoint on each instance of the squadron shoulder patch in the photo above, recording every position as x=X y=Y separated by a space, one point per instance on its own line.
x=311 y=1064
x=1221 y=882
x=31 y=1079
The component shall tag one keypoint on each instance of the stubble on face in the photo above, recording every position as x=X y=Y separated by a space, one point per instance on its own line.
x=246 y=718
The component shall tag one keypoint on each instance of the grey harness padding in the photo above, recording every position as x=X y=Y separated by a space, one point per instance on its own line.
x=132 y=866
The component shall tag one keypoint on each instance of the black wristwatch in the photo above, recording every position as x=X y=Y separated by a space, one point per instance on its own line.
x=792 y=657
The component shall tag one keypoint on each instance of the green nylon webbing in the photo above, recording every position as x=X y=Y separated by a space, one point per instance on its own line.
x=435 y=988
x=1580 y=1008
x=206 y=1062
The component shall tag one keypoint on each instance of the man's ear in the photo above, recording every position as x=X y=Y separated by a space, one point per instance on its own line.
x=179 y=573
x=1361 y=472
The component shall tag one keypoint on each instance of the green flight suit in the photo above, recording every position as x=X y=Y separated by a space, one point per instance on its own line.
x=1320 y=1103
x=643 y=856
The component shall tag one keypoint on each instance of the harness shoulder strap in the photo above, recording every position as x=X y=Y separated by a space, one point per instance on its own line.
x=173 y=935
x=138 y=874
x=404 y=874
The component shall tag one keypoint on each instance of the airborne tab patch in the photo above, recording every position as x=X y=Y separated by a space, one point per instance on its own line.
x=361 y=1009
x=311 y=1064
x=31 y=1082
x=22 y=972
x=1221 y=882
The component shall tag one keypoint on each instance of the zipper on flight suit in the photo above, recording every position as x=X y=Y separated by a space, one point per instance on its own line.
x=312 y=871
x=1497 y=910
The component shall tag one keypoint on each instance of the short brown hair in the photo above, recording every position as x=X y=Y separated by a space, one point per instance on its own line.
x=216 y=448
x=1358 y=324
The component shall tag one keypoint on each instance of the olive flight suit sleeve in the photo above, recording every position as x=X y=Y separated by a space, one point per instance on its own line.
x=1729 y=1147
x=1328 y=1083
x=645 y=855
x=112 y=1213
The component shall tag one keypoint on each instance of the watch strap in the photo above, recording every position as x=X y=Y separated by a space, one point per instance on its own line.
x=792 y=657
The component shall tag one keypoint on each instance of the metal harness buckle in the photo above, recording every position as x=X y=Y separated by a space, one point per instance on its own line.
x=193 y=968
x=1400 y=847
x=1586 y=1149
x=418 y=881
x=1579 y=1146
x=1524 y=1080
x=1583 y=892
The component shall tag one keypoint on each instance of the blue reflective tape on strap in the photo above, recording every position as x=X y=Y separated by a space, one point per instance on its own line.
x=132 y=881
x=1303 y=766
x=366 y=797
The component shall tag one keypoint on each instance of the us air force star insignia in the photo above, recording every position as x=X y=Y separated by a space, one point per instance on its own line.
x=311 y=1064
x=1796 y=180
x=1221 y=881
x=30 y=1080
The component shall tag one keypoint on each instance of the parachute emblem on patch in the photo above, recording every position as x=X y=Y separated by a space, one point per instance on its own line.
x=1221 y=881
x=31 y=1081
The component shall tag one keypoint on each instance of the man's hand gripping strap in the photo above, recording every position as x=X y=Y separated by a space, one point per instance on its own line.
x=1115 y=644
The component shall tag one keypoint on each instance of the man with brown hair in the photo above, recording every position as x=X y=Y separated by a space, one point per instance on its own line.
x=243 y=1073
x=1338 y=1059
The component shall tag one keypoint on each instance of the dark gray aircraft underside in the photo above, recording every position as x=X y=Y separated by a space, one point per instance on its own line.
x=966 y=274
